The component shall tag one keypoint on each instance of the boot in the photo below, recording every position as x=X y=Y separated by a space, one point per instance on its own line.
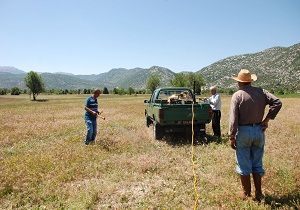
x=246 y=184
x=257 y=184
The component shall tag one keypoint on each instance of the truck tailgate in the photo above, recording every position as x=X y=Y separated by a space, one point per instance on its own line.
x=182 y=113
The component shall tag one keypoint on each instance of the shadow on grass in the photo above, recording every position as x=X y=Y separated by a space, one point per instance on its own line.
x=291 y=200
x=179 y=139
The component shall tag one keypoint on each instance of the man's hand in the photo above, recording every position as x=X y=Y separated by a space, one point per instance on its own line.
x=233 y=143
x=95 y=114
x=265 y=124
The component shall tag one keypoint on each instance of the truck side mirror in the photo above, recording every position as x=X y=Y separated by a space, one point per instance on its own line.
x=146 y=101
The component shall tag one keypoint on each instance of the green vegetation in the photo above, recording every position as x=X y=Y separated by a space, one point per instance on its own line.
x=153 y=82
x=15 y=91
x=105 y=90
x=35 y=83
x=130 y=91
x=189 y=80
x=3 y=91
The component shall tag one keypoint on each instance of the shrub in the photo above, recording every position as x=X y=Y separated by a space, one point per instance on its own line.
x=15 y=91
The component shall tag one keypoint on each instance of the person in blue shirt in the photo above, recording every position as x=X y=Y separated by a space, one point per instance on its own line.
x=91 y=114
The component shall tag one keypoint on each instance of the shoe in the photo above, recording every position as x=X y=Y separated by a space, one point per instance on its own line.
x=259 y=197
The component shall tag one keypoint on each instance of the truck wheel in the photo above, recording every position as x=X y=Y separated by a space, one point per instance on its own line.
x=202 y=134
x=148 y=121
x=157 y=131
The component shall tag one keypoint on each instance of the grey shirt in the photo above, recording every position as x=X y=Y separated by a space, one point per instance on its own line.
x=248 y=106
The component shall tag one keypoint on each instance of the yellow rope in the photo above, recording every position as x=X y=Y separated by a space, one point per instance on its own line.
x=196 y=194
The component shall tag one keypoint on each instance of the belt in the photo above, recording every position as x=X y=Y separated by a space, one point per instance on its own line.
x=250 y=124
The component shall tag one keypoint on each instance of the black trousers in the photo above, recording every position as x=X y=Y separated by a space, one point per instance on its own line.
x=216 y=122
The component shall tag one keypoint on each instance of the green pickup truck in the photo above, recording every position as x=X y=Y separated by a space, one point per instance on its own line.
x=170 y=110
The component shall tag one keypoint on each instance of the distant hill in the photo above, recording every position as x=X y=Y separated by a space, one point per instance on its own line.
x=9 y=80
x=123 y=78
x=10 y=69
x=275 y=67
x=64 y=81
x=136 y=78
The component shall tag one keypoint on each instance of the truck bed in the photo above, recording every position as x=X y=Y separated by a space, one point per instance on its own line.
x=181 y=114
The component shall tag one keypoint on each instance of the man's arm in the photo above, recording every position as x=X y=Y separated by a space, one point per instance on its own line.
x=274 y=107
x=90 y=111
x=233 y=121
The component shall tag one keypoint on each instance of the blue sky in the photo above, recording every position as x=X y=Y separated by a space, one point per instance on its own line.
x=94 y=36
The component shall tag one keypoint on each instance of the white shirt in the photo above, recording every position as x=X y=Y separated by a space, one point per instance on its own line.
x=215 y=102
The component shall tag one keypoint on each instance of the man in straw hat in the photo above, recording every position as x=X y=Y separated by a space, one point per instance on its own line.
x=247 y=128
x=215 y=103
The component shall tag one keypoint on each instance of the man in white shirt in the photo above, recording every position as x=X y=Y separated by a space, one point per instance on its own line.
x=215 y=103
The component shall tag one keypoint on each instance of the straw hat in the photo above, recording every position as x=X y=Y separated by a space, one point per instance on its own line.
x=245 y=76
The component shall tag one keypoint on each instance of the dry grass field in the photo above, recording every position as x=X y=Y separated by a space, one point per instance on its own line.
x=45 y=165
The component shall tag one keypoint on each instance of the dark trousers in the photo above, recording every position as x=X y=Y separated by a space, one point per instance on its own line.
x=216 y=122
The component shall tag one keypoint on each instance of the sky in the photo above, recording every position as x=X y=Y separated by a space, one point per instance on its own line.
x=95 y=36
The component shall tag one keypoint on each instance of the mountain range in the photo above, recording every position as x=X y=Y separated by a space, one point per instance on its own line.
x=275 y=67
x=119 y=77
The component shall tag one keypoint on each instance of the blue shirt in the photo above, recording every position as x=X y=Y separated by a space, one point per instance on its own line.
x=92 y=104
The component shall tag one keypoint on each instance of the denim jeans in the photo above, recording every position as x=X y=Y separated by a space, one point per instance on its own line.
x=250 y=141
x=91 y=125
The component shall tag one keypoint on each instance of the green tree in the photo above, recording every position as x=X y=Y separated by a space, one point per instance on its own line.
x=3 y=91
x=105 y=90
x=153 y=82
x=115 y=91
x=15 y=91
x=195 y=79
x=35 y=83
x=188 y=80
x=179 y=80
x=121 y=91
x=130 y=90
x=87 y=91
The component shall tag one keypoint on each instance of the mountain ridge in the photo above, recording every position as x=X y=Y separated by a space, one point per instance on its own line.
x=276 y=67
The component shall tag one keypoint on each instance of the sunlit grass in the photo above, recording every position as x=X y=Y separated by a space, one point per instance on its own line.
x=44 y=163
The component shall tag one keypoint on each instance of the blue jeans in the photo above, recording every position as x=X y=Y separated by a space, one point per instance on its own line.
x=250 y=141
x=91 y=125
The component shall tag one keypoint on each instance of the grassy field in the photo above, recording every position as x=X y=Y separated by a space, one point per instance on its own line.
x=45 y=165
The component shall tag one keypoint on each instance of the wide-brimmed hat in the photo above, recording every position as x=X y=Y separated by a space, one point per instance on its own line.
x=245 y=76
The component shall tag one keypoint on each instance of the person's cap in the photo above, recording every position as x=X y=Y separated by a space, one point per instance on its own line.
x=245 y=76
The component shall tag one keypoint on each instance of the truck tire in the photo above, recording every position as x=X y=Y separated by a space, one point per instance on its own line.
x=148 y=121
x=157 y=131
x=202 y=134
